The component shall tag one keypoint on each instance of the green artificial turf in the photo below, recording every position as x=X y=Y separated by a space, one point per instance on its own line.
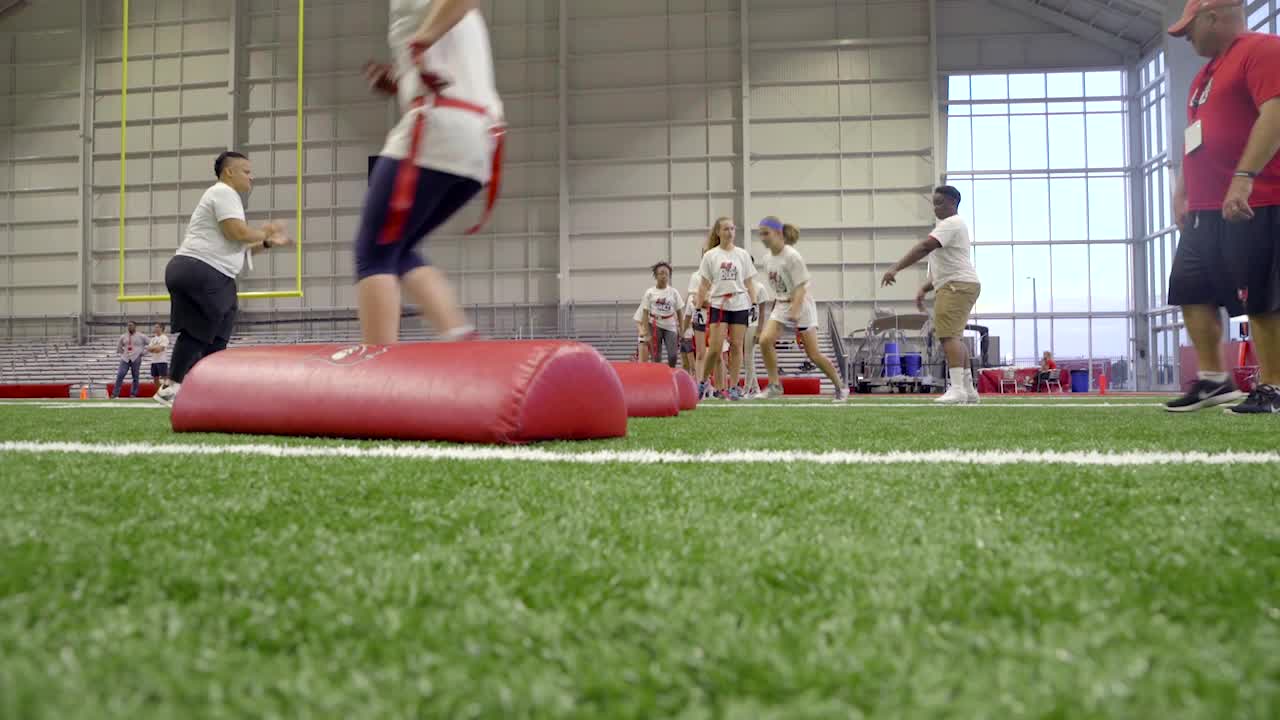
x=230 y=586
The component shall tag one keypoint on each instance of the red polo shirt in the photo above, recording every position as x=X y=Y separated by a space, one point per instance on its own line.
x=1225 y=97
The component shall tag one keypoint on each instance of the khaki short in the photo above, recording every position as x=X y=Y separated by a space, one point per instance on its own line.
x=951 y=309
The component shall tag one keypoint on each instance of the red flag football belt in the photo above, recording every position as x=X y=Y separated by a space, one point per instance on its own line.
x=406 y=182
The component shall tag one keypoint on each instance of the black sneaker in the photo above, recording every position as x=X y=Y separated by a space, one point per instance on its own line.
x=1265 y=400
x=1205 y=393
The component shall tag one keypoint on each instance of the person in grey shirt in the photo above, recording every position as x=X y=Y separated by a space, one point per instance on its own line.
x=131 y=347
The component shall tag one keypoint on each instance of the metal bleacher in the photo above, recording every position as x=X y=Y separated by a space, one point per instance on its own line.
x=96 y=361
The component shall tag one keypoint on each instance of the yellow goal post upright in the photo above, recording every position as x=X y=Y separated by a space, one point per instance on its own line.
x=124 y=126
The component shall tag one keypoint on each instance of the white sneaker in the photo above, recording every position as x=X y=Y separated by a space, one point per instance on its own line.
x=972 y=397
x=955 y=395
x=167 y=394
x=841 y=396
x=773 y=392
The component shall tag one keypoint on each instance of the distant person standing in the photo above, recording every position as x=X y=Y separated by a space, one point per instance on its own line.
x=130 y=348
x=157 y=346
x=1227 y=203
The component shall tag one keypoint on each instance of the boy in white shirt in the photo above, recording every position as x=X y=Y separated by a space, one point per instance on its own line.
x=952 y=275
x=157 y=346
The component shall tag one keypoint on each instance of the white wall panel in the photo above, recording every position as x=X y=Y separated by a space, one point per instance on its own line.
x=977 y=35
x=841 y=138
x=39 y=168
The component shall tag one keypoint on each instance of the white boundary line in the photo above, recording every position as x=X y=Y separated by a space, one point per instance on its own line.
x=746 y=404
x=468 y=453
x=86 y=405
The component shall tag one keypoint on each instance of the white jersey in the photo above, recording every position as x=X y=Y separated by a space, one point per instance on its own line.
x=455 y=141
x=786 y=272
x=204 y=239
x=951 y=262
x=728 y=272
x=662 y=306
x=157 y=347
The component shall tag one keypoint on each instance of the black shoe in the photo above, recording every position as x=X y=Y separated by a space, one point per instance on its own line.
x=1265 y=400
x=1205 y=393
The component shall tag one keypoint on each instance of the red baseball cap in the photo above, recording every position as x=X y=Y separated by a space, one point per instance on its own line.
x=1195 y=7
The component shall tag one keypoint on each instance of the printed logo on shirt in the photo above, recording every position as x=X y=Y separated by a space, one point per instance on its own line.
x=775 y=279
x=728 y=271
x=663 y=305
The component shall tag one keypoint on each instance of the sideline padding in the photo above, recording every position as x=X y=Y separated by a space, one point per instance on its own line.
x=686 y=389
x=650 y=389
x=478 y=392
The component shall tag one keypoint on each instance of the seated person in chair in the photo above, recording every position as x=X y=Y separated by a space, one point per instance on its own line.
x=1046 y=365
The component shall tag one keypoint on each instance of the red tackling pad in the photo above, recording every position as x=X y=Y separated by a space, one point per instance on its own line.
x=481 y=392
x=650 y=389
x=686 y=389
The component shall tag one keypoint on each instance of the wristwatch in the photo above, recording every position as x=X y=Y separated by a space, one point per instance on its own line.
x=266 y=243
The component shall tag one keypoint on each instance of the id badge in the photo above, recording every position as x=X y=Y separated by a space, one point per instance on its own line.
x=1194 y=137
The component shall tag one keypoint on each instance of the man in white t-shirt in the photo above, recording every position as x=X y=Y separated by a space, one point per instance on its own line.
x=953 y=277
x=201 y=276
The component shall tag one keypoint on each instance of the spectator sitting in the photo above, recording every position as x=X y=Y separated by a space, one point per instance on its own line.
x=130 y=348
x=156 y=349
x=1046 y=365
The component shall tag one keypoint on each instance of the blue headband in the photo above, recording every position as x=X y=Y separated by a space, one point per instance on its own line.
x=772 y=224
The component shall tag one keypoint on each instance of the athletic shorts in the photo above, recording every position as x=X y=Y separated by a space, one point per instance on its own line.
x=202 y=301
x=808 y=315
x=1230 y=265
x=687 y=346
x=439 y=195
x=729 y=317
x=159 y=370
x=951 y=308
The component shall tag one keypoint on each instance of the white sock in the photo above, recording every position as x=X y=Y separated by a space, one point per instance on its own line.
x=968 y=380
x=457 y=333
x=957 y=378
x=1215 y=377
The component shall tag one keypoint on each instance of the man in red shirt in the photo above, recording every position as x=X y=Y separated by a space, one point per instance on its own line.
x=1227 y=202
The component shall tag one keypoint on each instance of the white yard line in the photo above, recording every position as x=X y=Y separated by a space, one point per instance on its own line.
x=747 y=404
x=643 y=457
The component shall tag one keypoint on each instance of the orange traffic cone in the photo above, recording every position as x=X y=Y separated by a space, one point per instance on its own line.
x=1102 y=384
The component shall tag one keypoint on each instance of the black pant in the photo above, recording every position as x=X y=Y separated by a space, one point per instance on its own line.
x=133 y=366
x=668 y=339
x=188 y=351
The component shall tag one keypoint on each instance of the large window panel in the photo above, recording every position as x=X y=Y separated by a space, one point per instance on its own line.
x=991 y=143
x=1030 y=140
x=959 y=143
x=1110 y=337
x=1108 y=208
x=1046 y=165
x=992 y=212
x=1031 y=262
x=1031 y=209
x=994 y=264
x=1067 y=149
x=1070 y=278
x=1110 y=273
x=1105 y=140
x=1071 y=339
x=1069 y=205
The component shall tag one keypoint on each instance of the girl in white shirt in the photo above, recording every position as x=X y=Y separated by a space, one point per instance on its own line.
x=662 y=315
x=794 y=306
x=726 y=273
x=444 y=149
